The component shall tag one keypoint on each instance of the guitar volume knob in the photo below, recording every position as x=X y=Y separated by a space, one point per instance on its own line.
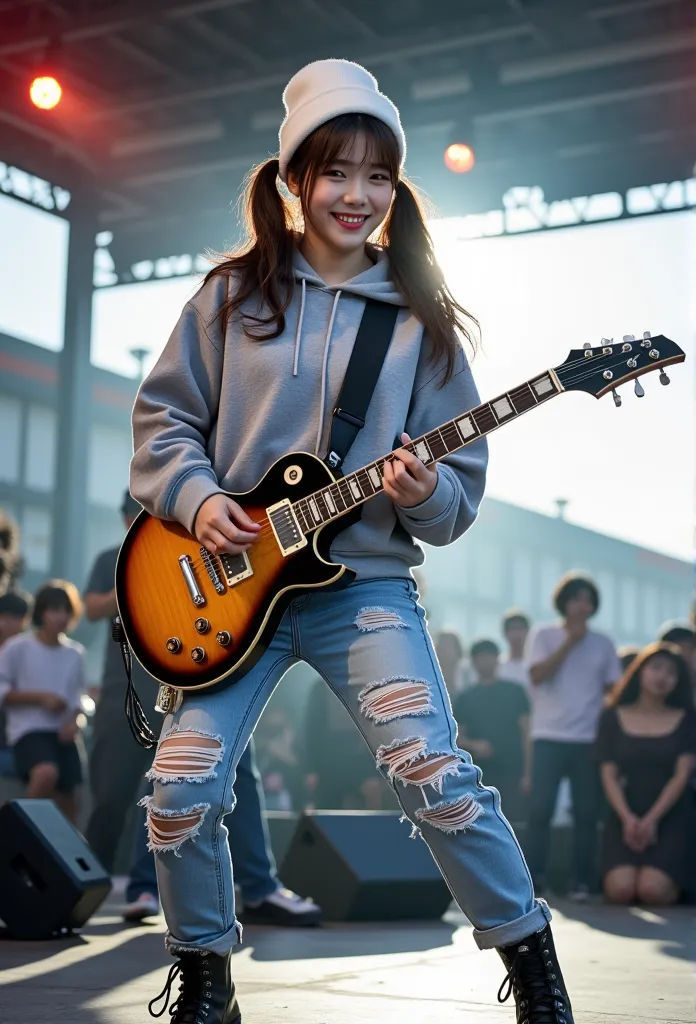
x=202 y=625
x=174 y=645
x=198 y=655
x=224 y=638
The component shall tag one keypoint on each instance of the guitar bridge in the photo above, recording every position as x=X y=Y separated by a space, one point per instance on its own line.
x=286 y=527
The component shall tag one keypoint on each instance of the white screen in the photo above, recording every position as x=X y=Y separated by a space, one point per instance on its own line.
x=33 y=273
x=629 y=471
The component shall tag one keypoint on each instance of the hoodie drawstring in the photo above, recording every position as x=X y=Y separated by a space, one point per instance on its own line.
x=298 y=334
x=327 y=342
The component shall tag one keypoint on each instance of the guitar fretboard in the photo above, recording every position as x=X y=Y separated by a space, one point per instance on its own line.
x=340 y=497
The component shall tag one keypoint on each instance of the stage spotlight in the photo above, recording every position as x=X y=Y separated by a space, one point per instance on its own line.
x=45 y=92
x=459 y=158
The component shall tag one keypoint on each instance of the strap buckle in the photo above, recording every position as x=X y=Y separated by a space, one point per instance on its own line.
x=348 y=417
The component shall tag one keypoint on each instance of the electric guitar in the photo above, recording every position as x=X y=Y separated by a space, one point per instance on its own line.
x=195 y=620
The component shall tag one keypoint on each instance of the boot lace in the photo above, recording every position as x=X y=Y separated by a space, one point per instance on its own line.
x=533 y=979
x=187 y=1006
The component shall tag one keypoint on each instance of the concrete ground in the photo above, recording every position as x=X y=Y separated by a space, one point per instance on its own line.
x=622 y=966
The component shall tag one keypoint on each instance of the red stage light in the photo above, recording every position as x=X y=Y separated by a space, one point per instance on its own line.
x=45 y=92
x=459 y=158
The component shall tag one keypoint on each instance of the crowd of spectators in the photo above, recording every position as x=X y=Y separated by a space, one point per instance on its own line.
x=559 y=702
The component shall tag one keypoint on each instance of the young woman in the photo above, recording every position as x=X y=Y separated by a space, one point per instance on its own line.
x=647 y=750
x=252 y=371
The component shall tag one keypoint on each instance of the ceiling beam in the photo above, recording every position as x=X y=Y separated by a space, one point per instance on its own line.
x=121 y=16
x=231 y=86
x=596 y=57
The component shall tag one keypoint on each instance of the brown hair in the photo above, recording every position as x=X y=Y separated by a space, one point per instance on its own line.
x=263 y=263
x=57 y=594
x=627 y=690
x=569 y=586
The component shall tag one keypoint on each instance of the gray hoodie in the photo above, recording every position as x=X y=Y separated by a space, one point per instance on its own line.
x=216 y=412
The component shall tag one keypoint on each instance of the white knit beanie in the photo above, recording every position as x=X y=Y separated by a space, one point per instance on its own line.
x=325 y=89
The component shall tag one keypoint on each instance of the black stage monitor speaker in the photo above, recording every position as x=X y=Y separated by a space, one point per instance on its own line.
x=362 y=866
x=50 y=881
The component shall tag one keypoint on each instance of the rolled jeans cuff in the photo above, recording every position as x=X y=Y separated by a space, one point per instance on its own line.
x=507 y=934
x=220 y=944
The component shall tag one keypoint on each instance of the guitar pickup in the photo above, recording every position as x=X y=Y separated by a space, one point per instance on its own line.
x=235 y=568
x=286 y=527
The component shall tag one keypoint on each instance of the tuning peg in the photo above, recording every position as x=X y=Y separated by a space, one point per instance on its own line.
x=638 y=389
x=587 y=345
x=617 y=398
x=664 y=379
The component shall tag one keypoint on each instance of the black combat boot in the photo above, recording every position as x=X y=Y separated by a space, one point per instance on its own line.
x=535 y=980
x=206 y=993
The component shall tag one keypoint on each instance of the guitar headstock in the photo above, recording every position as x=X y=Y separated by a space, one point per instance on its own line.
x=602 y=368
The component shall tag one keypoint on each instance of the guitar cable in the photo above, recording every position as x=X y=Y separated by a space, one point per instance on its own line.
x=137 y=719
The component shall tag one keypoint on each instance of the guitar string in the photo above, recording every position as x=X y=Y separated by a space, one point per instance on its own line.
x=590 y=372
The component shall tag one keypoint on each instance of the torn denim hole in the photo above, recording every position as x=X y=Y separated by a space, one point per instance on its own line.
x=452 y=815
x=186 y=755
x=167 y=829
x=368 y=620
x=400 y=754
x=431 y=770
x=395 y=697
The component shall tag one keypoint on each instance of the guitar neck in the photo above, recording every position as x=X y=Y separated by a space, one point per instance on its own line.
x=344 y=494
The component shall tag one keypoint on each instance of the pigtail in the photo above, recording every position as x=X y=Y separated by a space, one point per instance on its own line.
x=420 y=280
x=263 y=262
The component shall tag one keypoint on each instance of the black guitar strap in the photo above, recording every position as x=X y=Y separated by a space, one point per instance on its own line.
x=366 y=361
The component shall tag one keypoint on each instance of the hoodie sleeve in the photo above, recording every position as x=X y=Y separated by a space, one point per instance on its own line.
x=453 y=505
x=171 y=474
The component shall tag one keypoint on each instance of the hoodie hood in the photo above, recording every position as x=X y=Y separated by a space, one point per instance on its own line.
x=373 y=283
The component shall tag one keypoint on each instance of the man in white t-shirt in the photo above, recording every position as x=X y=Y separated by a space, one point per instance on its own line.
x=513 y=666
x=570 y=668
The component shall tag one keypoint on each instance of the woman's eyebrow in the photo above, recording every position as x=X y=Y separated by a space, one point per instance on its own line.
x=354 y=163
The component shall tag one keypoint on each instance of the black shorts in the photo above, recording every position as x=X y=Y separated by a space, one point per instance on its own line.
x=39 y=747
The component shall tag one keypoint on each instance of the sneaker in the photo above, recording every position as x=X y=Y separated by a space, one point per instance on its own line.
x=206 y=991
x=283 y=908
x=535 y=981
x=146 y=905
x=580 y=894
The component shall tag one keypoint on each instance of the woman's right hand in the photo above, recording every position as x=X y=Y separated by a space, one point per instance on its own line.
x=222 y=526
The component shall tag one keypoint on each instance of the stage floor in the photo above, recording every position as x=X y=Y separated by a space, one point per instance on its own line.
x=621 y=966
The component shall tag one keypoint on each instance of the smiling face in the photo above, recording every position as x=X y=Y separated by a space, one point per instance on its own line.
x=344 y=175
x=350 y=199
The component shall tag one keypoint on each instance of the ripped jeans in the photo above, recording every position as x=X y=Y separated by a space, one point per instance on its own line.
x=370 y=643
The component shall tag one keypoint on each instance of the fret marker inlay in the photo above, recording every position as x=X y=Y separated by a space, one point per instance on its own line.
x=466 y=427
x=502 y=408
x=422 y=451
x=543 y=386
x=375 y=478
x=355 y=489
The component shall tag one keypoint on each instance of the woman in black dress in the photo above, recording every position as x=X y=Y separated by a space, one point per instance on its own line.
x=646 y=749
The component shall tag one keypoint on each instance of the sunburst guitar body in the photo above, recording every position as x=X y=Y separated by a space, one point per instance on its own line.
x=194 y=620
